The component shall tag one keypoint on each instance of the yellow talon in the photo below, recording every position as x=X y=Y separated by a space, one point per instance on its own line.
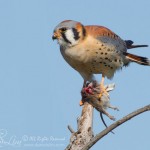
x=100 y=95
x=81 y=103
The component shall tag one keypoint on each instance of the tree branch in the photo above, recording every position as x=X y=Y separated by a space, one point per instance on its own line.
x=115 y=125
x=84 y=130
x=83 y=138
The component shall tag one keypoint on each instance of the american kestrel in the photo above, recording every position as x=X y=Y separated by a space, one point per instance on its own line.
x=94 y=50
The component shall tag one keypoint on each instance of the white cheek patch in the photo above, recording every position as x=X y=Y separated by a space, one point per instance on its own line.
x=61 y=41
x=70 y=36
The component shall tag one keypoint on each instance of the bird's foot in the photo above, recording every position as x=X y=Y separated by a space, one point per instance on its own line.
x=112 y=118
x=103 y=91
x=116 y=108
x=81 y=103
x=113 y=107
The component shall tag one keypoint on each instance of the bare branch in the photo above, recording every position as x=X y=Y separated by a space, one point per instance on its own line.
x=115 y=125
x=83 y=138
x=85 y=130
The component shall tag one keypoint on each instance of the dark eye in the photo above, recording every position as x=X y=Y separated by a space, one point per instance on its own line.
x=63 y=29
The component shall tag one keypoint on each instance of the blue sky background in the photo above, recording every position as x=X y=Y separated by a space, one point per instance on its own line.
x=40 y=92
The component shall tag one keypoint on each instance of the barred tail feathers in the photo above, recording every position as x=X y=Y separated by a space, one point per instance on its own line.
x=138 y=59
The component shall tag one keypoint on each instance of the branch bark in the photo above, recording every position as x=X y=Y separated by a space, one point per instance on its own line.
x=85 y=129
x=115 y=125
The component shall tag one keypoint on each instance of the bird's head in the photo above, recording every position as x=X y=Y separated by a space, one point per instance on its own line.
x=69 y=33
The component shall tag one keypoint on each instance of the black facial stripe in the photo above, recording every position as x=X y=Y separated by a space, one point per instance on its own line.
x=83 y=31
x=65 y=38
x=76 y=34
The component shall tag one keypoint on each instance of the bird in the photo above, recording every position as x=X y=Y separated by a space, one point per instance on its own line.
x=95 y=49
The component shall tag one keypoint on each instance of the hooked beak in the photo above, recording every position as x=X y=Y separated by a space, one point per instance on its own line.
x=55 y=36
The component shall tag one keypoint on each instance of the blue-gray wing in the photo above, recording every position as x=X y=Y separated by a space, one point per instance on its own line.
x=115 y=44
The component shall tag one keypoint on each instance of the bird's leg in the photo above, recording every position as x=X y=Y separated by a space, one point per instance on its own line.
x=113 y=107
x=108 y=115
x=102 y=87
x=84 y=86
